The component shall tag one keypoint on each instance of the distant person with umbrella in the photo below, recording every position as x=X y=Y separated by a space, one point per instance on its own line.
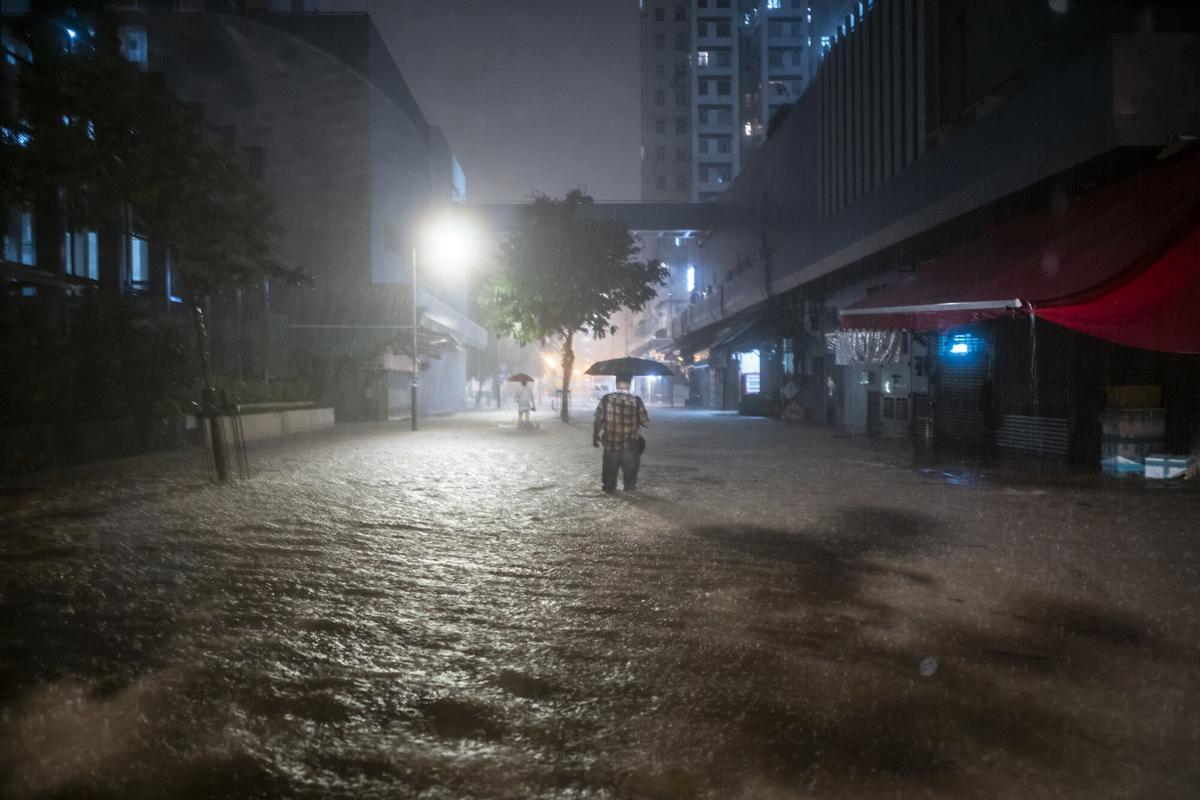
x=620 y=416
x=525 y=402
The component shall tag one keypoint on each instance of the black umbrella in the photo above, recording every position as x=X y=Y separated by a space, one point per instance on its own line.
x=629 y=366
x=520 y=377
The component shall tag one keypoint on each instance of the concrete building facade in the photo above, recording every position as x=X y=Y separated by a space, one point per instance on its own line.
x=928 y=124
x=319 y=111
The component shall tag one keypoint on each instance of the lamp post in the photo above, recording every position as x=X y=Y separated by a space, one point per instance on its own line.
x=416 y=364
x=449 y=242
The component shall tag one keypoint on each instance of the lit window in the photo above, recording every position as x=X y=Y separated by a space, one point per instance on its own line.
x=13 y=136
x=172 y=290
x=750 y=364
x=82 y=252
x=749 y=129
x=774 y=4
x=139 y=261
x=702 y=58
x=18 y=243
x=133 y=45
x=691 y=278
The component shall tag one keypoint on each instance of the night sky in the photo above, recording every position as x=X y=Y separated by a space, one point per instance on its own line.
x=533 y=94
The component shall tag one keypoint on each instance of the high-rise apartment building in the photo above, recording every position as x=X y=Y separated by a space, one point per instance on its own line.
x=714 y=75
x=667 y=101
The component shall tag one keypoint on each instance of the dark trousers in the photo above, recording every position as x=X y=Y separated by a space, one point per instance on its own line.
x=627 y=460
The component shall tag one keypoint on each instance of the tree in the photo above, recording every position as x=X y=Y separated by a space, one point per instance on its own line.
x=567 y=272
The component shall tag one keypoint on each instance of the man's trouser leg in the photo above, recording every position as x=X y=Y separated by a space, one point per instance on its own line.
x=631 y=462
x=608 y=471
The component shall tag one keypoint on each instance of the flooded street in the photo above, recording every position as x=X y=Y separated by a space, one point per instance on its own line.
x=460 y=612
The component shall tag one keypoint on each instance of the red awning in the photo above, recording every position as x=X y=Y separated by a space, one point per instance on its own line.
x=1102 y=240
x=1158 y=309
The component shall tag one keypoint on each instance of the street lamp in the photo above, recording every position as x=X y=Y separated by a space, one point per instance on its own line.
x=449 y=243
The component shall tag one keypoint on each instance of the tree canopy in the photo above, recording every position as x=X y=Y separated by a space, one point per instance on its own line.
x=566 y=272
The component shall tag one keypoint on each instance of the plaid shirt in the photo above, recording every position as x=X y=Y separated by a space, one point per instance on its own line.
x=619 y=416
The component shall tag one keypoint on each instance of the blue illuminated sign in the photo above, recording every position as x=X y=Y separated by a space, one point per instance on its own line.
x=960 y=345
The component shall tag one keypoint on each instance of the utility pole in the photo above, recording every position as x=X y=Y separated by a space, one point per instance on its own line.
x=416 y=366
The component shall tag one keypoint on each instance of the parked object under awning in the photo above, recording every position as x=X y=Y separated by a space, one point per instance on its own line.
x=1080 y=257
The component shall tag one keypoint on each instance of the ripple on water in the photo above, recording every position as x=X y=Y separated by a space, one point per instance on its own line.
x=453 y=718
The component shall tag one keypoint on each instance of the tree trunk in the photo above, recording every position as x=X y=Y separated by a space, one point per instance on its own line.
x=568 y=363
x=208 y=399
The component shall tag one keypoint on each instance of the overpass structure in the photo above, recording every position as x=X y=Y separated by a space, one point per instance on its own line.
x=680 y=220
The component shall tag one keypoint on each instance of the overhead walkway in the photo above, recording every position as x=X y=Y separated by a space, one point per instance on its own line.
x=684 y=220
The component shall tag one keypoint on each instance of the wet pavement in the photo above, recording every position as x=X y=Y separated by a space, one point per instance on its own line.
x=460 y=612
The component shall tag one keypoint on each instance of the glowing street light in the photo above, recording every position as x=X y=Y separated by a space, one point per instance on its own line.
x=448 y=242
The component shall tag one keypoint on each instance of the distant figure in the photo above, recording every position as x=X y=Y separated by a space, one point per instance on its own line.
x=619 y=418
x=790 y=389
x=496 y=388
x=524 y=404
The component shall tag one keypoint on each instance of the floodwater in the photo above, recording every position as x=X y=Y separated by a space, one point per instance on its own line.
x=462 y=613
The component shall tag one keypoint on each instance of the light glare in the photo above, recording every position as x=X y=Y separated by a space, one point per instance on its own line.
x=450 y=242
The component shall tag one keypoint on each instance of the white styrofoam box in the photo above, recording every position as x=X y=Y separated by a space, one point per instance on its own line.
x=1161 y=467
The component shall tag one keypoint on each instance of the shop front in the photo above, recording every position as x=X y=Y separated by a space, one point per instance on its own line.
x=1035 y=324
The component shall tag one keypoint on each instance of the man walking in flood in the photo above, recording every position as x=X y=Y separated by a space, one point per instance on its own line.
x=619 y=417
